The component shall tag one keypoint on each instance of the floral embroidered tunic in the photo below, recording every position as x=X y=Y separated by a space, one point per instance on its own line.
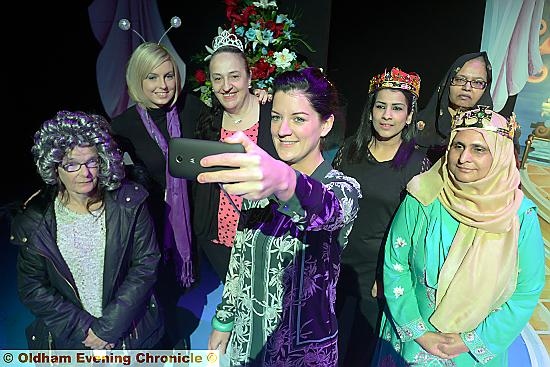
x=281 y=286
x=418 y=243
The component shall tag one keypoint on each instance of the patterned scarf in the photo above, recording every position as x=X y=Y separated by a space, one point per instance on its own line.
x=178 y=225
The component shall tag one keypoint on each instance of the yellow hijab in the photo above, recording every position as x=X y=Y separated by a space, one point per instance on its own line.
x=483 y=254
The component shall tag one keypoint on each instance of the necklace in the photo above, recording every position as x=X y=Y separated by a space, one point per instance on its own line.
x=236 y=122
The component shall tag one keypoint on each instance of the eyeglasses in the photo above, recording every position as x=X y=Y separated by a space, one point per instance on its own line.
x=73 y=166
x=461 y=81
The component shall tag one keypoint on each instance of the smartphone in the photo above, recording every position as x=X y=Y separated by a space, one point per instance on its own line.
x=185 y=154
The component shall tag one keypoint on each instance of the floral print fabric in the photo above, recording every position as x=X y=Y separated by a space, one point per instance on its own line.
x=281 y=286
x=418 y=243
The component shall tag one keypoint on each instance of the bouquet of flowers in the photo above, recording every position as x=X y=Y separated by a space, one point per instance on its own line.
x=269 y=39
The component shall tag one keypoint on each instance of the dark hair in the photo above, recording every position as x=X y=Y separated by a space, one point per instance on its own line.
x=320 y=92
x=205 y=127
x=358 y=149
x=316 y=87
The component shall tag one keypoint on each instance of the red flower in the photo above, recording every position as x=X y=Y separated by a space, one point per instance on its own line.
x=276 y=28
x=262 y=69
x=232 y=3
x=231 y=6
x=243 y=18
x=200 y=76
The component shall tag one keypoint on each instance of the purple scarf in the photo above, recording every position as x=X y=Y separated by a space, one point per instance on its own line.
x=178 y=225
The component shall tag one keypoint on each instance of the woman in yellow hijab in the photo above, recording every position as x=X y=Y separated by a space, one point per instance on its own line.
x=464 y=259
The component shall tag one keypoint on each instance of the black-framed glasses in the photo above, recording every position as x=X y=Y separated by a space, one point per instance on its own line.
x=73 y=166
x=461 y=81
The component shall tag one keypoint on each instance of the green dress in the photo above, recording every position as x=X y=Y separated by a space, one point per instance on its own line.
x=418 y=243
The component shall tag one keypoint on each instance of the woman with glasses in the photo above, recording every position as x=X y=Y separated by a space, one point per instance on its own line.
x=466 y=84
x=88 y=253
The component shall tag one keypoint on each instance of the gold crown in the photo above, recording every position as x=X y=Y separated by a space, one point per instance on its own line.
x=484 y=118
x=396 y=79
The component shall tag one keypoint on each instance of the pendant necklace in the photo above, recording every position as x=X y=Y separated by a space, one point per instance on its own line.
x=236 y=122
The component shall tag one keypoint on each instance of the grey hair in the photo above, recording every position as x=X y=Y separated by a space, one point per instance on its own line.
x=58 y=136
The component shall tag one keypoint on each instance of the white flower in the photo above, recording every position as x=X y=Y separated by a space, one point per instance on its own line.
x=398 y=267
x=399 y=242
x=283 y=59
x=265 y=4
x=398 y=291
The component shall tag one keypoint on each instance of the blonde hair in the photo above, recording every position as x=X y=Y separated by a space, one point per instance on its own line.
x=144 y=59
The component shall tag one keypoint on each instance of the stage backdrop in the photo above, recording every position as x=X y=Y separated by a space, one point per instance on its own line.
x=533 y=102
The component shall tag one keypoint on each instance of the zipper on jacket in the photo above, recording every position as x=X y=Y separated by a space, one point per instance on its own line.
x=136 y=335
x=50 y=344
x=62 y=276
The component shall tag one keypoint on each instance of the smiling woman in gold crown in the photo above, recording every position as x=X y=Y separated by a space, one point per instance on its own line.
x=382 y=157
x=464 y=258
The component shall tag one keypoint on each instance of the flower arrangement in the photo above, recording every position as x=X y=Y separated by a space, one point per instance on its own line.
x=269 y=39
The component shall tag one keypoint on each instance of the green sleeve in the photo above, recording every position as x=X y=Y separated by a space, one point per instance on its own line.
x=501 y=327
x=409 y=222
x=225 y=312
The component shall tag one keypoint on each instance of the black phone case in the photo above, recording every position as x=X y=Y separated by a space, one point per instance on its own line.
x=185 y=154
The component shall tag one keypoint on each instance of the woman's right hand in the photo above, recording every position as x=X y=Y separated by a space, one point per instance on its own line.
x=258 y=175
x=94 y=342
x=219 y=340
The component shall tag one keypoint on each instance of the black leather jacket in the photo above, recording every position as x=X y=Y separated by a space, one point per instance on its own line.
x=131 y=318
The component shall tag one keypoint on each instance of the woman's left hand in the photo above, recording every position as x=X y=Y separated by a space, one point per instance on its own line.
x=456 y=345
x=257 y=174
x=432 y=343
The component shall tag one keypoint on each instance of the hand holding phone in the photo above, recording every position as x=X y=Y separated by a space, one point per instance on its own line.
x=259 y=175
x=185 y=154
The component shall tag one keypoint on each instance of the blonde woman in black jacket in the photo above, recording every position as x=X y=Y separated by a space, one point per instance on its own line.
x=88 y=252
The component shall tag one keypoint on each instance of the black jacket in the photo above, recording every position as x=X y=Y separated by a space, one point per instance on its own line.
x=131 y=318
x=148 y=162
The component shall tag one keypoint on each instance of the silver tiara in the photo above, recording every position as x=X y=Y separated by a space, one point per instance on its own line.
x=125 y=25
x=226 y=38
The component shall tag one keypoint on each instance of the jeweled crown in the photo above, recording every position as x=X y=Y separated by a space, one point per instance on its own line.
x=396 y=79
x=226 y=38
x=484 y=118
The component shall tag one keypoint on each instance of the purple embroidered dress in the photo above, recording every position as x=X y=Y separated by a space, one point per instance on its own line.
x=281 y=286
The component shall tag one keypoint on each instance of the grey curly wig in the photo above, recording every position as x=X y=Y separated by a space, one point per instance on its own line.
x=58 y=136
